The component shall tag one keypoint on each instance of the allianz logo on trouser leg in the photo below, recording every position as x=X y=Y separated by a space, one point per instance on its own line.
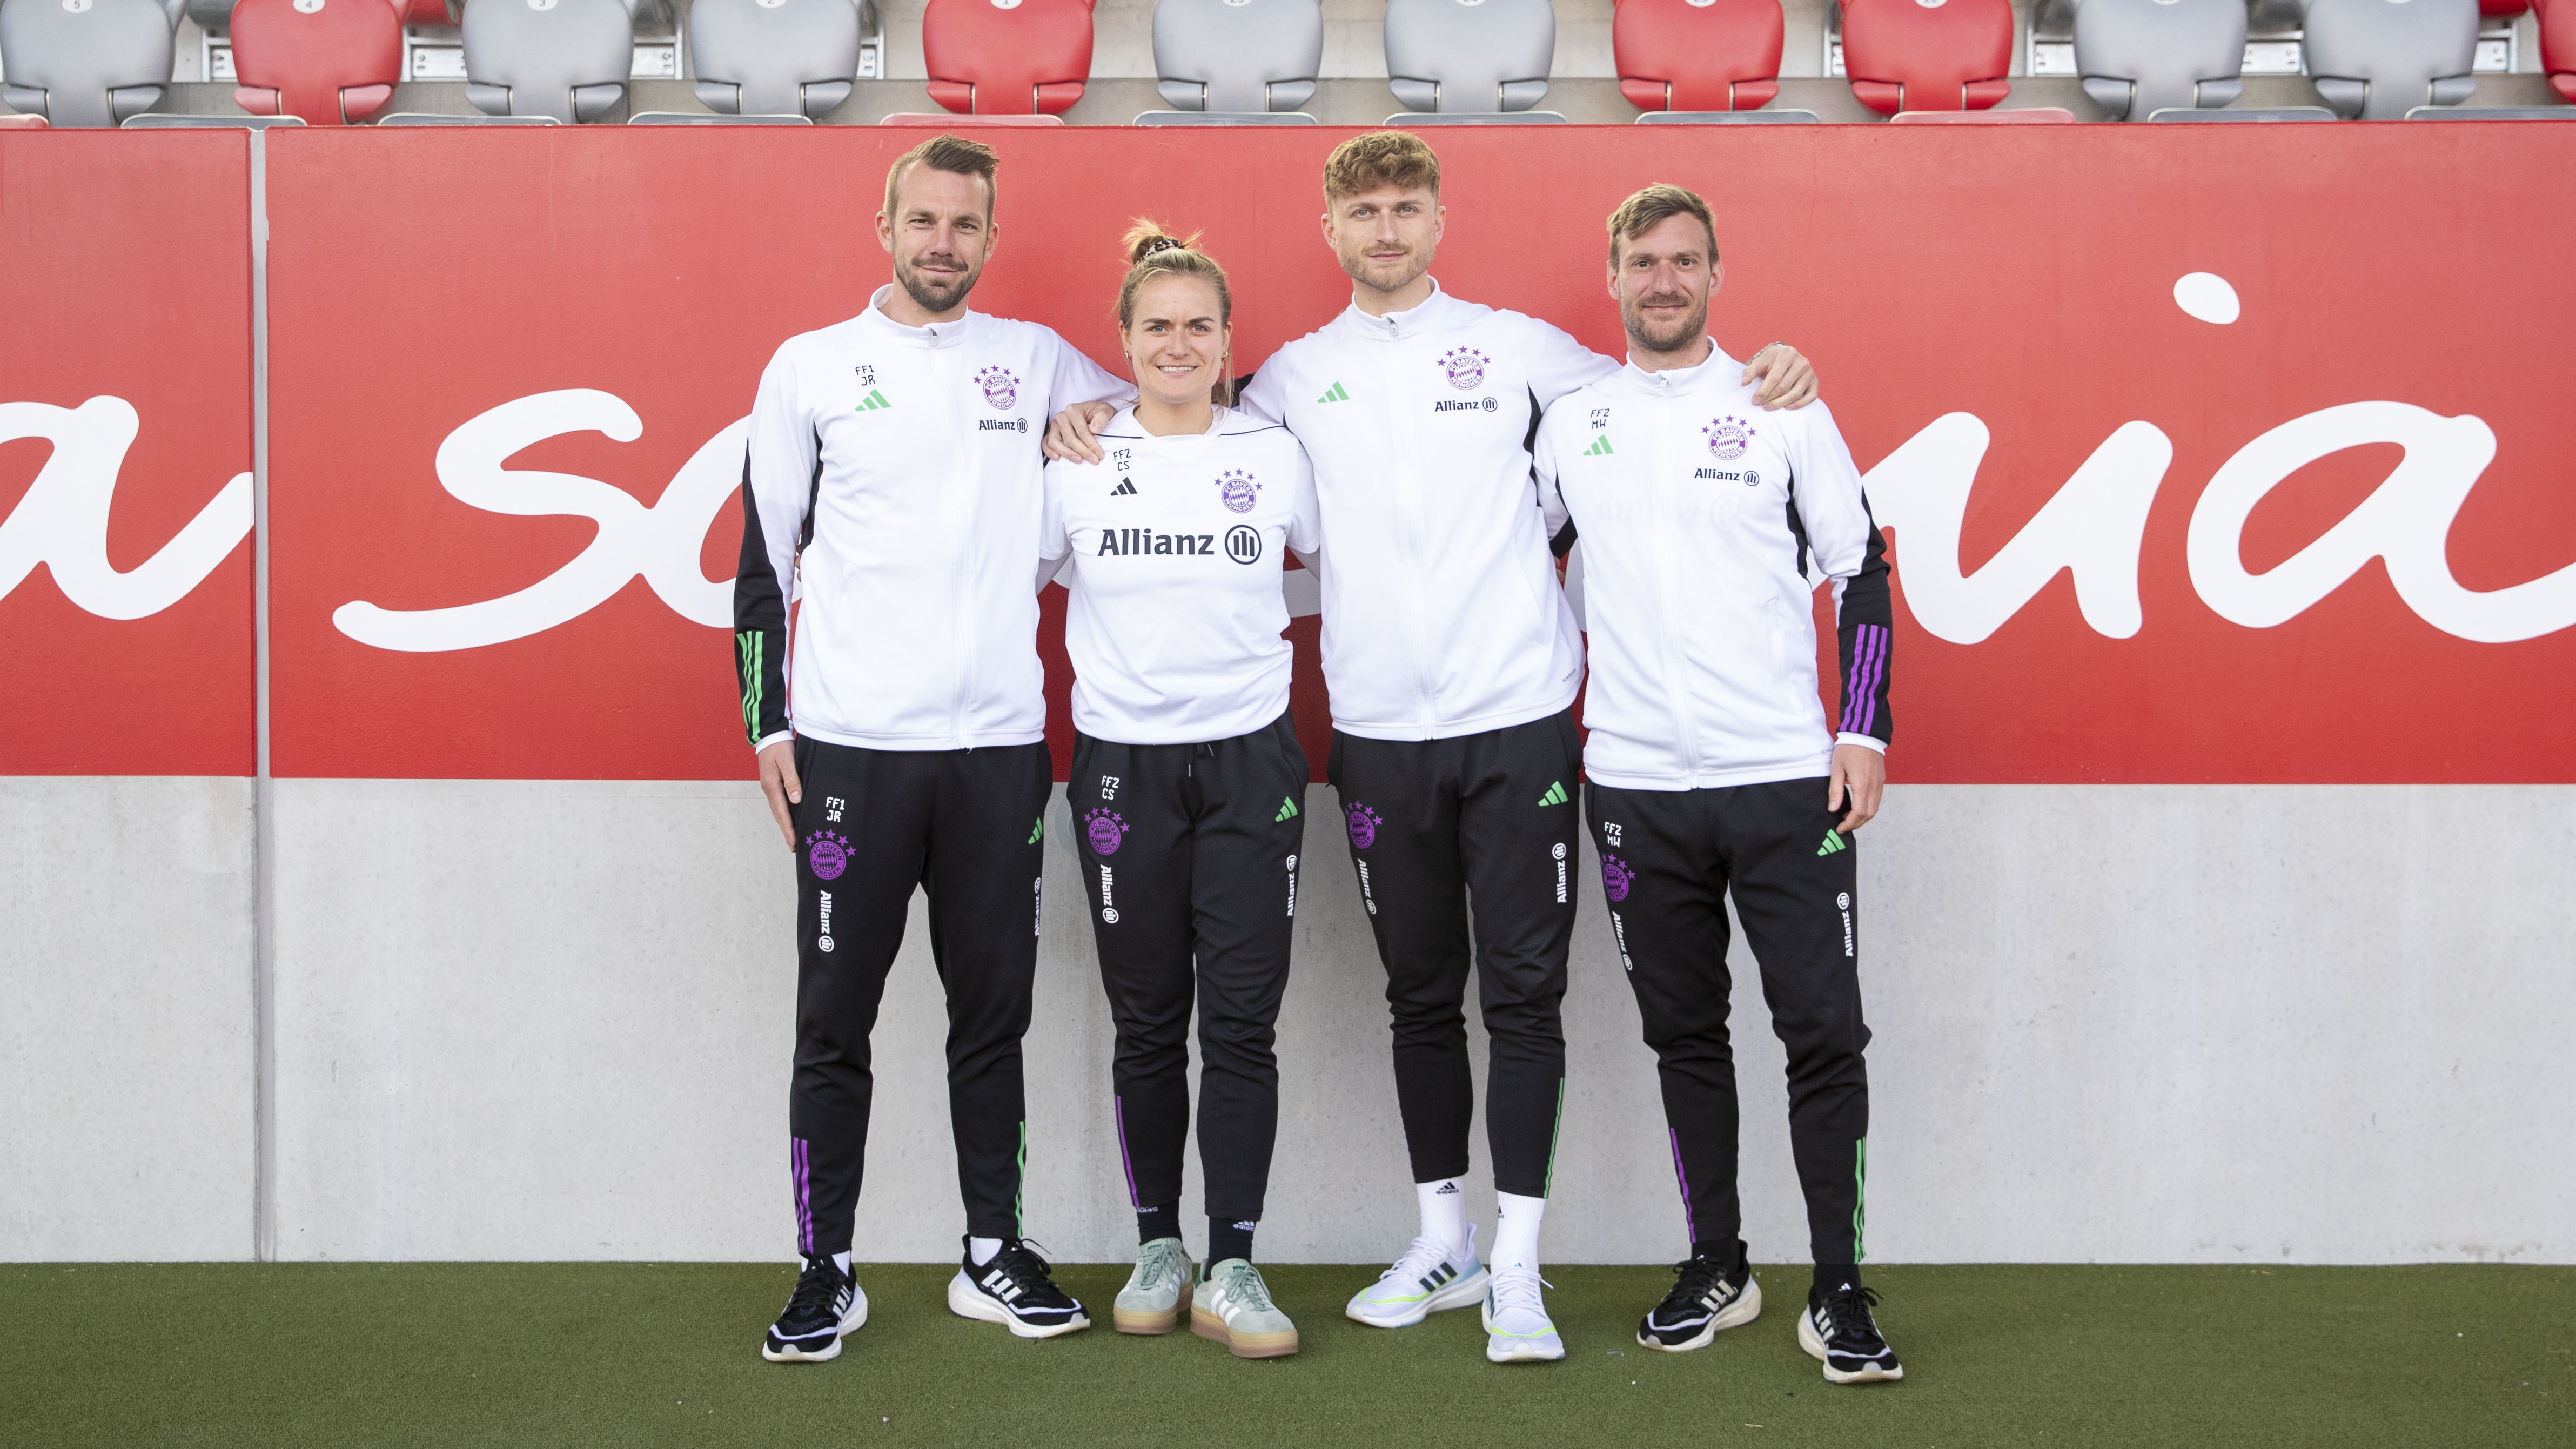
x=2094 y=526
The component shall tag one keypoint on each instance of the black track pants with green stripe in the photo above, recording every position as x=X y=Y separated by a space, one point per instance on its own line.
x=1189 y=857
x=1668 y=860
x=963 y=825
x=1435 y=825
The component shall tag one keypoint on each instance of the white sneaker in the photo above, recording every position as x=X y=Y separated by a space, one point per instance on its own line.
x=1517 y=1328
x=1426 y=1280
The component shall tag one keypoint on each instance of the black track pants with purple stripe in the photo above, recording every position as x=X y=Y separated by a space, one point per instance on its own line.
x=1189 y=856
x=964 y=826
x=1668 y=859
x=1486 y=819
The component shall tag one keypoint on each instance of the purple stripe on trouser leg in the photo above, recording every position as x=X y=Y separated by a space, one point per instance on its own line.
x=801 y=1178
x=1690 y=1220
x=1118 y=1111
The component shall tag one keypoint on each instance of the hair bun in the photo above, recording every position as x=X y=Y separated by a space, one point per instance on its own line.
x=1160 y=244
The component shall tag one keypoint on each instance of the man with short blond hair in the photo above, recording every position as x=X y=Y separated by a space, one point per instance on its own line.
x=1713 y=772
x=891 y=486
x=1453 y=659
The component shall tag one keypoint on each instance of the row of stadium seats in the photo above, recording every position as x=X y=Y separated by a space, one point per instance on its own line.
x=334 y=62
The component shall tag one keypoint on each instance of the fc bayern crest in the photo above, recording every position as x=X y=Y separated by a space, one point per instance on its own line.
x=1103 y=828
x=1001 y=389
x=1616 y=877
x=1238 y=490
x=1465 y=366
x=1728 y=437
x=1364 y=823
x=828 y=853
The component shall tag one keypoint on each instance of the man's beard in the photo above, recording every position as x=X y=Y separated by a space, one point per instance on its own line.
x=931 y=296
x=1386 y=276
x=1691 y=328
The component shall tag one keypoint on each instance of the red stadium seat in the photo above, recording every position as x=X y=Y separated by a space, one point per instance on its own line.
x=23 y=123
x=1697 y=55
x=2558 y=43
x=1007 y=57
x=1928 y=55
x=328 y=62
x=2498 y=9
x=427 y=12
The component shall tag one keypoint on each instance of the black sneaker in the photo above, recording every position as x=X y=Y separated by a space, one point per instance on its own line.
x=1704 y=1299
x=825 y=1305
x=1015 y=1291
x=1838 y=1329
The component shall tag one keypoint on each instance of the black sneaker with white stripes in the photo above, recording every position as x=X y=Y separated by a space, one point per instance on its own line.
x=1705 y=1298
x=825 y=1305
x=1839 y=1329
x=1016 y=1291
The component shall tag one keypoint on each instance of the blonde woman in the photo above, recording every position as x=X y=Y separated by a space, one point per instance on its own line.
x=1188 y=788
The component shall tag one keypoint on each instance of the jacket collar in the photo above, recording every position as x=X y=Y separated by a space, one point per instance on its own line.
x=937 y=334
x=1430 y=314
x=1675 y=381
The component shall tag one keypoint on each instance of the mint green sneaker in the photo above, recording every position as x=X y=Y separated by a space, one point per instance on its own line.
x=1157 y=1291
x=1233 y=1307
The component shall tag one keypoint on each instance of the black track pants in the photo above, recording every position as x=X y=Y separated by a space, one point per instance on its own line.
x=963 y=825
x=1434 y=826
x=1668 y=857
x=1189 y=855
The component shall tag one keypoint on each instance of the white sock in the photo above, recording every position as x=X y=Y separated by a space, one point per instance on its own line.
x=841 y=1260
x=982 y=1249
x=1516 y=1223
x=1444 y=1212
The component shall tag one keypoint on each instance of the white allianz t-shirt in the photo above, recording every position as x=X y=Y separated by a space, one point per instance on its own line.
x=1176 y=547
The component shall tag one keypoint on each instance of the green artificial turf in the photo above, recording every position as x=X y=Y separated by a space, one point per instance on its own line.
x=633 y=1354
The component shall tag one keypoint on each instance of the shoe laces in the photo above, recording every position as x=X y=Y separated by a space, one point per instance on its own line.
x=1243 y=1284
x=1695 y=1281
x=1418 y=1261
x=1855 y=1330
x=817 y=1286
x=1517 y=1288
x=1160 y=1259
x=1020 y=1259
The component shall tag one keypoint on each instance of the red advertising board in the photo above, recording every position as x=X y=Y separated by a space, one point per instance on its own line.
x=2208 y=453
x=125 y=454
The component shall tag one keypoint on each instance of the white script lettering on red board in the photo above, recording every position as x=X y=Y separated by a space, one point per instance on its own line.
x=61 y=521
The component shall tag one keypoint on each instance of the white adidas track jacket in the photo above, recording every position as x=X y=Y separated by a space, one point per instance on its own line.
x=892 y=488
x=1442 y=613
x=1697 y=511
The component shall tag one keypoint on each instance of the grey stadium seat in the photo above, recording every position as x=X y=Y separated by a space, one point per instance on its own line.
x=86 y=62
x=568 y=59
x=1479 y=57
x=2379 y=59
x=775 y=57
x=2138 y=57
x=2256 y=113
x=1239 y=56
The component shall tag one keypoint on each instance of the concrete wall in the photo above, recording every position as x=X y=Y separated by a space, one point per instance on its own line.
x=552 y=1020
x=127 y=1054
